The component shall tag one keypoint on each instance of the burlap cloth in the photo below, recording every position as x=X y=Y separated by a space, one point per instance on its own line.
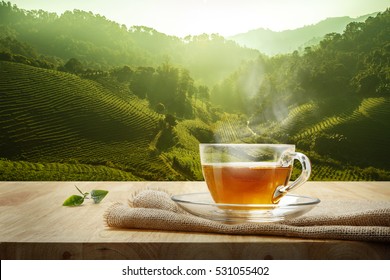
x=347 y=220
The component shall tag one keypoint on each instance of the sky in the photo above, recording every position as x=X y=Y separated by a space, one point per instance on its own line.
x=225 y=17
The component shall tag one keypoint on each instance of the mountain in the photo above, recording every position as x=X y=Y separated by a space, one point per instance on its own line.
x=103 y=102
x=99 y=43
x=271 y=42
x=89 y=131
x=332 y=99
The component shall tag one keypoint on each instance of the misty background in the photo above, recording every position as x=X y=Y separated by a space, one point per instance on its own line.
x=84 y=97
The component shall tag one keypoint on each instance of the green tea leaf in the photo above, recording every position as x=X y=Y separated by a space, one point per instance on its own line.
x=74 y=200
x=84 y=194
x=98 y=195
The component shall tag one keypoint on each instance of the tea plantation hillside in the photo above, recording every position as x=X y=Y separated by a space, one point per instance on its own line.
x=358 y=134
x=346 y=141
x=58 y=126
x=85 y=98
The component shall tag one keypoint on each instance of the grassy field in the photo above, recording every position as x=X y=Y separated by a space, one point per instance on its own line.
x=32 y=171
x=49 y=116
x=58 y=126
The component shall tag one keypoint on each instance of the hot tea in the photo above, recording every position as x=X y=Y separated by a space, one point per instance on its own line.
x=251 y=173
x=246 y=182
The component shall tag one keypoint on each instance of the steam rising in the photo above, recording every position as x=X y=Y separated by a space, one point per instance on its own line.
x=255 y=92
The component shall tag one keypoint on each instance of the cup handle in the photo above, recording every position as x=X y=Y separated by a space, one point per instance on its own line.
x=306 y=170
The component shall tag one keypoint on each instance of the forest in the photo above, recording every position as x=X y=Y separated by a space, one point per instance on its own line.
x=89 y=91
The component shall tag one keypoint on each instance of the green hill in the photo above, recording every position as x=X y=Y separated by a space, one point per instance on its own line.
x=50 y=116
x=100 y=43
x=273 y=42
x=114 y=111
x=354 y=134
x=332 y=101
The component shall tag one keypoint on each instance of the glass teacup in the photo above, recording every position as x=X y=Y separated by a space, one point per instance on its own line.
x=251 y=173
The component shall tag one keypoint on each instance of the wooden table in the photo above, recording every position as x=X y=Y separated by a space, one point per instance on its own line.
x=35 y=225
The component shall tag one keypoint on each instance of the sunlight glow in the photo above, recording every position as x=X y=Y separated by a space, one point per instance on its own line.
x=226 y=17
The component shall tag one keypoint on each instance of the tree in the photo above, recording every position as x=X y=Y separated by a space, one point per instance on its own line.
x=170 y=120
x=203 y=92
x=123 y=74
x=142 y=81
x=186 y=83
x=165 y=86
x=160 y=108
x=73 y=66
